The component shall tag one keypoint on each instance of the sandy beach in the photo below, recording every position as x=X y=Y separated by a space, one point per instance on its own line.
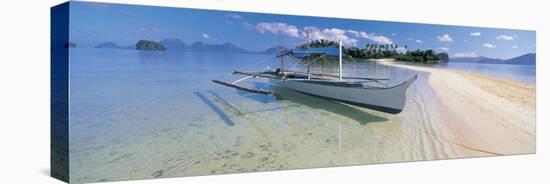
x=484 y=113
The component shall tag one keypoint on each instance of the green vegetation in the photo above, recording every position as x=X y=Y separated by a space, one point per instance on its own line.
x=378 y=51
x=318 y=43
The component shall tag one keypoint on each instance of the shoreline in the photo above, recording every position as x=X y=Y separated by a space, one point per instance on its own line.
x=483 y=112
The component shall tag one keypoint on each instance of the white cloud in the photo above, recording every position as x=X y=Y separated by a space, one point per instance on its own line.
x=444 y=49
x=333 y=34
x=248 y=26
x=205 y=36
x=228 y=22
x=515 y=47
x=489 y=45
x=348 y=37
x=153 y=29
x=475 y=34
x=278 y=27
x=234 y=16
x=505 y=37
x=419 y=41
x=377 y=38
x=371 y=36
x=444 y=38
x=401 y=50
x=465 y=54
x=355 y=33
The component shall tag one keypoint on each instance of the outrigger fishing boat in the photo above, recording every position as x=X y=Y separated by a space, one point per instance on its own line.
x=364 y=92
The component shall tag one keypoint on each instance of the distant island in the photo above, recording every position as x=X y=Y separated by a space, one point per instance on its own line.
x=149 y=45
x=272 y=50
x=526 y=59
x=370 y=51
x=179 y=45
x=380 y=51
x=174 y=44
x=107 y=45
x=113 y=45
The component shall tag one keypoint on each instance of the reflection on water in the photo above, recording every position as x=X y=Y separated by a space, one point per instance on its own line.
x=362 y=117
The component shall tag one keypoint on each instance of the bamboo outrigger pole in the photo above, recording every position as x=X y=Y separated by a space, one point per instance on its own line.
x=307 y=50
x=282 y=59
x=340 y=60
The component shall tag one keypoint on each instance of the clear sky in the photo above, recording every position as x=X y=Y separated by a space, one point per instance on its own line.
x=94 y=23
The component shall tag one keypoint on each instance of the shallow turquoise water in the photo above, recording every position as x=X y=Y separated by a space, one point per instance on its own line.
x=126 y=102
x=136 y=88
x=141 y=114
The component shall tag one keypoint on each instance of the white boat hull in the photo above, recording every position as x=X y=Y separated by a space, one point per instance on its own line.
x=389 y=100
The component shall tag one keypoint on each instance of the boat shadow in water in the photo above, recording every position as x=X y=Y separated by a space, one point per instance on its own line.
x=262 y=98
x=361 y=117
x=223 y=116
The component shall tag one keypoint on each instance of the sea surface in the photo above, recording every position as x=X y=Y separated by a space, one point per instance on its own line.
x=146 y=114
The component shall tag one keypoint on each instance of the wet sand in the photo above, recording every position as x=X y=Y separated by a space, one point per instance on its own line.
x=448 y=114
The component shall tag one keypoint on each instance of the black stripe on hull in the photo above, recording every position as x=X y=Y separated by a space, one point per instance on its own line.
x=368 y=106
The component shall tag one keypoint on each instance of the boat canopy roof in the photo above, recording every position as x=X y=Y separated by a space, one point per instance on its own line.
x=329 y=51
